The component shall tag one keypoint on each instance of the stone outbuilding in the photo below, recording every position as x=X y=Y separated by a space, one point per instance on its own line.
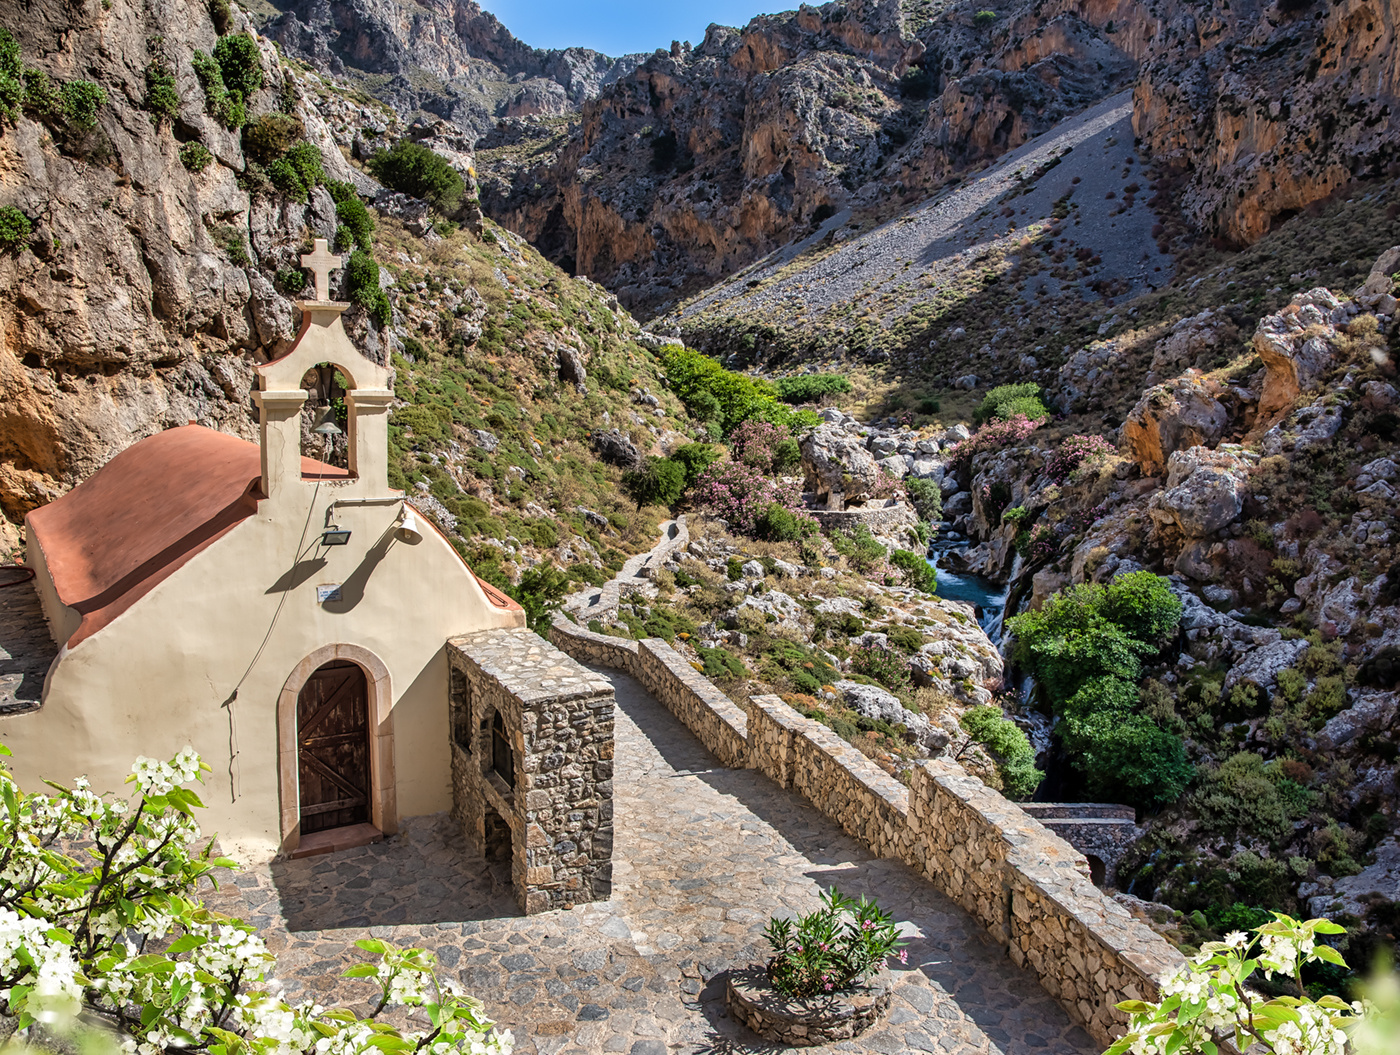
x=288 y=618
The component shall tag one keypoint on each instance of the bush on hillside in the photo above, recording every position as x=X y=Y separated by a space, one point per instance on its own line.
x=657 y=481
x=915 y=570
x=362 y=287
x=860 y=548
x=195 y=156
x=740 y=494
x=926 y=497
x=11 y=76
x=297 y=171
x=14 y=228
x=540 y=592
x=1006 y=401
x=269 y=136
x=1009 y=746
x=778 y=524
x=223 y=105
x=885 y=665
x=765 y=447
x=411 y=168
x=810 y=388
x=991 y=437
x=162 y=97
x=713 y=394
x=1074 y=453
x=1085 y=646
x=696 y=458
x=239 y=64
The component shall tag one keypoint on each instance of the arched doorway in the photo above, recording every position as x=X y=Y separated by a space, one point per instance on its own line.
x=378 y=738
x=333 y=748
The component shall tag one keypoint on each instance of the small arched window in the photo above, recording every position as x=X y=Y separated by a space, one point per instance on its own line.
x=502 y=760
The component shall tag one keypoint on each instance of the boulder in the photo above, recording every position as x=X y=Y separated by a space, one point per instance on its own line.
x=615 y=448
x=837 y=467
x=1204 y=492
x=873 y=702
x=274 y=317
x=1172 y=417
x=1373 y=712
x=1260 y=666
x=897 y=465
x=571 y=367
x=1293 y=356
x=1190 y=341
x=1378 y=282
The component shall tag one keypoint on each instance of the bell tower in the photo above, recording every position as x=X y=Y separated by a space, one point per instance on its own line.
x=280 y=397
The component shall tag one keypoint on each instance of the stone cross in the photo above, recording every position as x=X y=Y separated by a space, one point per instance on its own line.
x=321 y=261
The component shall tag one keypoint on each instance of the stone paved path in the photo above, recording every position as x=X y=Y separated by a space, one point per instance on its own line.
x=704 y=855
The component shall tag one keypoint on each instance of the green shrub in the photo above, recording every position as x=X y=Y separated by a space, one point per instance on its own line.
x=1005 y=401
x=269 y=136
x=291 y=279
x=984 y=18
x=224 y=106
x=905 y=638
x=859 y=547
x=915 y=571
x=357 y=220
x=1143 y=605
x=362 y=287
x=81 y=101
x=927 y=499
x=540 y=591
x=721 y=665
x=230 y=239
x=343 y=241
x=11 y=76
x=1009 y=746
x=658 y=481
x=14 y=228
x=811 y=387
x=296 y=172
x=696 y=458
x=162 y=97
x=1126 y=757
x=239 y=63
x=713 y=394
x=1247 y=797
x=778 y=524
x=885 y=665
x=221 y=13
x=195 y=156
x=411 y=168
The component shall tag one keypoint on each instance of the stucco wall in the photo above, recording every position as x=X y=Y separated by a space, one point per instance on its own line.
x=1028 y=887
x=241 y=615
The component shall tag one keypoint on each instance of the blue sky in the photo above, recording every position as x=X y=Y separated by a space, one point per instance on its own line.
x=621 y=27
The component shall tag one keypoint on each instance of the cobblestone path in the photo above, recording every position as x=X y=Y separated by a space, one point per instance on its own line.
x=703 y=856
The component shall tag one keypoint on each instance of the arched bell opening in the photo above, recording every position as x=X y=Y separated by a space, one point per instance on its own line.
x=325 y=418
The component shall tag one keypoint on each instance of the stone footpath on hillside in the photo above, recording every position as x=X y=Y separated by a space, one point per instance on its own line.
x=704 y=856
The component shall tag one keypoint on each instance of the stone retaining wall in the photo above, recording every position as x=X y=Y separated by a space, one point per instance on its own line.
x=877 y=518
x=1028 y=887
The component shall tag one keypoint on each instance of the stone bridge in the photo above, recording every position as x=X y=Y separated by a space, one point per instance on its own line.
x=1102 y=833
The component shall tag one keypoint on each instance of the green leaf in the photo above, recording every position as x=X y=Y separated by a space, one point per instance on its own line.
x=360 y=970
x=4 y=750
x=1175 y=1042
x=185 y=944
x=1326 y=926
x=372 y=945
x=1331 y=955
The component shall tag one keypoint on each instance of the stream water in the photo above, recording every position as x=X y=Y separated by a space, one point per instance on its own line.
x=989 y=598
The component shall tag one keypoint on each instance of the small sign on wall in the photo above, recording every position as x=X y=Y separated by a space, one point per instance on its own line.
x=329 y=591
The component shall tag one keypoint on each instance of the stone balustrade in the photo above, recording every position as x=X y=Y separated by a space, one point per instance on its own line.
x=1028 y=887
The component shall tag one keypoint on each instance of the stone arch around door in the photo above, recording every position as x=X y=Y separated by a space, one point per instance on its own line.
x=382 y=797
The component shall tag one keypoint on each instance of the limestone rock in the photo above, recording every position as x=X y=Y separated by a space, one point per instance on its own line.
x=837 y=466
x=274 y=316
x=1260 y=666
x=615 y=448
x=1293 y=356
x=1204 y=492
x=1172 y=417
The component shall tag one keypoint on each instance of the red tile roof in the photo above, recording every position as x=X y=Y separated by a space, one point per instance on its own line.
x=143 y=515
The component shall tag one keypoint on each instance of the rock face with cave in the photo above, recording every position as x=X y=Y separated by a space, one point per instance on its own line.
x=290 y=620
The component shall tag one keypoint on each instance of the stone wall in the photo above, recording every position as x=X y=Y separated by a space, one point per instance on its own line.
x=1028 y=887
x=552 y=811
x=879 y=519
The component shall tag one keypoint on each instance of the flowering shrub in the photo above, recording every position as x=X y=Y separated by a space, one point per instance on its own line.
x=1209 y=999
x=1037 y=543
x=114 y=935
x=885 y=485
x=1075 y=452
x=991 y=437
x=885 y=665
x=830 y=950
x=740 y=494
x=765 y=447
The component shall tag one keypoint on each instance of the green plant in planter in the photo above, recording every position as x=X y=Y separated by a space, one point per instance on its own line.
x=828 y=951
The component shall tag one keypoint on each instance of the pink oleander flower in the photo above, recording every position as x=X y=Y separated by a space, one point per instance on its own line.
x=903 y=955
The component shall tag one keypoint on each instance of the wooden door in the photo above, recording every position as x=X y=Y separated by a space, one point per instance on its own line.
x=333 y=748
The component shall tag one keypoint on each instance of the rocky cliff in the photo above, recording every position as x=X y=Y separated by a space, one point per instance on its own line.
x=446 y=57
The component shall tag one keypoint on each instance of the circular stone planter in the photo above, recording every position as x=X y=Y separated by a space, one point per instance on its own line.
x=802 y=1023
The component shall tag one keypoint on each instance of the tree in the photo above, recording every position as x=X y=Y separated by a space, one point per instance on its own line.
x=411 y=168
x=100 y=924
x=540 y=591
x=659 y=481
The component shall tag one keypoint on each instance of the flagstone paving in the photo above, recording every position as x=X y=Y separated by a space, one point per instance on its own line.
x=704 y=855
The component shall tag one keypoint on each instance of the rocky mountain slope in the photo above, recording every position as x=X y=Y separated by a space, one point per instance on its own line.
x=152 y=260
x=445 y=57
